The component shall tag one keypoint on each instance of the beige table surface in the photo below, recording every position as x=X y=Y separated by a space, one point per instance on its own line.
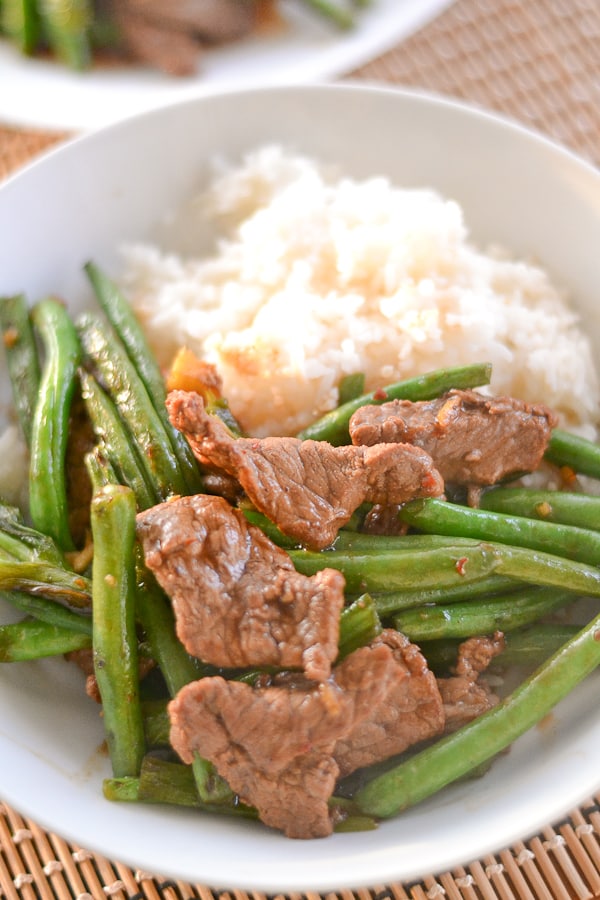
x=537 y=61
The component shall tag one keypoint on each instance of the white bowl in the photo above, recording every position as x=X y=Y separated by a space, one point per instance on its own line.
x=81 y=202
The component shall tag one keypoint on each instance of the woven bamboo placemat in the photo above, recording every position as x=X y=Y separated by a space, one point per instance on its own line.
x=537 y=61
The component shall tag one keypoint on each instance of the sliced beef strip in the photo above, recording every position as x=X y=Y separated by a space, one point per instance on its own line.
x=274 y=745
x=308 y=488
x=237 y=598
x=474 y=440
x=409 y=711
x=464 y=694
x=214 y=20
x=174 y=52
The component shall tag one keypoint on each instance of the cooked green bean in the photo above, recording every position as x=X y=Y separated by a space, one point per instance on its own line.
x=122 y=454
x=156 y=617
x=359 y=625
x=46 y=580
x=578 y=453
x=462 y=559
x=563 y=507
x=50 y=428
x=178 y=669
x=157 y=724
x=121 y=317
x=440 y=517
x=34 y=639
x=18 y=541
x=340 y=16
x=462 y=620
x=99 y=468
x=21 y=356
x=66 y=25
x=459 y=753
x=394 y=601
x=119 y=377
x=113 y=620
x=48 y=611
x=19 y=20
x=333 y=427
x=351 y=387
x=163 y=781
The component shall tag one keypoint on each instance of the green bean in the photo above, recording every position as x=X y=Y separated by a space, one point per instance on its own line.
x=462 y=559
x=359 y=625
x=122 y=790
x=19 y=20
x=533 y=644
x=440 y=517
x=20 y=542
x=46 y=580
x=119 y=377
x=155 y=614
x=393 y=601
x=47 y=479
x=121 y=317
x=48 y=611
x=578 y=453
x=66 y=25
x=33 y=639
x=157 y=724
x=462 y=620
x=178 y=669
x=341 y=17
x=457 y=754
x=333 y=427
x=21 y=355
x=113 y=620
x=122 y=454
x=563 y=507
x=99 y=468
x=165 y=782
x=414 y=565
x=351 y=387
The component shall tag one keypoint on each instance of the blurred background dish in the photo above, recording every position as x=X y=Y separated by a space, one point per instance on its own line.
x=299 y=46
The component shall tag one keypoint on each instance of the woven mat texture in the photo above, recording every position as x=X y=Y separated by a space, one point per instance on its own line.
x=537 y=61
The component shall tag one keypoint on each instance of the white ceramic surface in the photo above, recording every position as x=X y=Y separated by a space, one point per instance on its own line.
x=80 y=202
x=302 y=47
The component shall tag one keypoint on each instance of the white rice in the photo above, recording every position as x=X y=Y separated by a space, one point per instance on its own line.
x=312 y=278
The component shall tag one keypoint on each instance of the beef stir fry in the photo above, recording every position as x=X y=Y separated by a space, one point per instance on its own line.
x=169 y=37
x=295 y=608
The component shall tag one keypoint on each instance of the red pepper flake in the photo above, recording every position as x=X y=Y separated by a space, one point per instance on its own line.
x=11 y=337
x=568 y=475
x=380 y=394
x=461 y=564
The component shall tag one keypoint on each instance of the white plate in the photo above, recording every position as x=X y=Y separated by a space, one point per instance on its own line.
x=303 y=48
x=84 y=199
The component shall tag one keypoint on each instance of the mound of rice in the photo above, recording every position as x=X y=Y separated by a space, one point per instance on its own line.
x=312 y=278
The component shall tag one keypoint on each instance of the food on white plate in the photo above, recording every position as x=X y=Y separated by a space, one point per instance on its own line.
x=169 y=36
x=334 y=471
